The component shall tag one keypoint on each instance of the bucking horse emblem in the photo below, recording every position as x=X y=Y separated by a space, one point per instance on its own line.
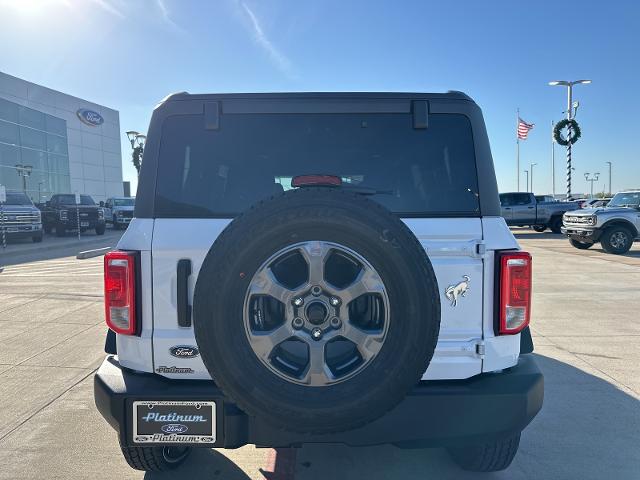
x=453 y=292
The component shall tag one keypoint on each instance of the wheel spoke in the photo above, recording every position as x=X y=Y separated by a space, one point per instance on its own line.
x=368 y=281
x=315 y=254
x=263 y=343
x=317 y=372
x=368 y=343
x=265 y=283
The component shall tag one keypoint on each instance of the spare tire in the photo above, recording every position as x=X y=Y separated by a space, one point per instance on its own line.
x=316 y=310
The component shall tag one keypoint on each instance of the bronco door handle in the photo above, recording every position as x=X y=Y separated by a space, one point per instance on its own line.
x=182 y=299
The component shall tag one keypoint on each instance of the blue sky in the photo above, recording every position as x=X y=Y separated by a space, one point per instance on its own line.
x=130 y=54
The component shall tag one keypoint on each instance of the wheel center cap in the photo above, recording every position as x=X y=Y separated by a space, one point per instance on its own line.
x=316 y=313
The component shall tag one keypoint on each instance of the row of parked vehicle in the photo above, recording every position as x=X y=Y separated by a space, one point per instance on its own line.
x=614 y=222
x=21 y=218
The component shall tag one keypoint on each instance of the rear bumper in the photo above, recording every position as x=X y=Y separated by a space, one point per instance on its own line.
x=443 y=413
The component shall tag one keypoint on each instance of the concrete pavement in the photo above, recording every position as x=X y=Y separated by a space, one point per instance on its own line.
x=585 y=325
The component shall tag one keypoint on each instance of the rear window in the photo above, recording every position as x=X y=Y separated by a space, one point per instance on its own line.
x=220 y=173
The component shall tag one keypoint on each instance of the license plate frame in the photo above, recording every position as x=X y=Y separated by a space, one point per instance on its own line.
x=174 y=422
x=84 y=224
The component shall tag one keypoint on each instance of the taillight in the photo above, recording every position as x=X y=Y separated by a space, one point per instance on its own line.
x=515 y=292
x=119 y=292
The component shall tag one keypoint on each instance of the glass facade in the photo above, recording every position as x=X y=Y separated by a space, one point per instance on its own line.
x=34 y=154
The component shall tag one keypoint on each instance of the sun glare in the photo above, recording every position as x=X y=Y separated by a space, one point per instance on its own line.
x=32 y=7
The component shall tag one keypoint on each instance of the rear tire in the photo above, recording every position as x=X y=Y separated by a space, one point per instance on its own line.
x=539 y=228
x=155 y=459
x=580 y=245
x=100 y=229
x=488 y=457
x=555 y=224
x=616 y=240
x=60 y=231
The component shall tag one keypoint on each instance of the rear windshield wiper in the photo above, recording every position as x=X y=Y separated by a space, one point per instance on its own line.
x=335 y=181
x=365 y=190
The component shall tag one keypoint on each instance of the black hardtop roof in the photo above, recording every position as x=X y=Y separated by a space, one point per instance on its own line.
x=213 y=107
x=450 y=95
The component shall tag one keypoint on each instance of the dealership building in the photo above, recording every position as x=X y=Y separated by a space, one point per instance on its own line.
x=51 y=142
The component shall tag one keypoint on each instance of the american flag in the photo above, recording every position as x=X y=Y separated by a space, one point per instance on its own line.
x=523 y=129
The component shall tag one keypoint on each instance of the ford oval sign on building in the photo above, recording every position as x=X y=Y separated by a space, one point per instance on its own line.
x=89 y=117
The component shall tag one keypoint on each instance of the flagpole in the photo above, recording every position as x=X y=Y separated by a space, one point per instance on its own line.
x=517 y=150
x=553 y=163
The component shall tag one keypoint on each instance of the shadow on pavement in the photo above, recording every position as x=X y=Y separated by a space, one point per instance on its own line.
x=203 y=464
x=531 y=235
x=587 y=429
x=526 y=234
x=631 y=253
x=51 y=247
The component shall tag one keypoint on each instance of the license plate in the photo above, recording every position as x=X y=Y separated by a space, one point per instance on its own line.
x=174 y=422
x=12 y=229
x=84 y=224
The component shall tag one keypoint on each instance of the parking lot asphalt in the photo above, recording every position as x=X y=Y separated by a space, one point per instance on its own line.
x=586 y=330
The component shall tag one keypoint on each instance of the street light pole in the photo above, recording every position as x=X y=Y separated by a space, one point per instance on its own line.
x=527 y=173
x=137 y=141
x=24 y=171
x=609 y=163
x=531 y=170
x=569 y=85
x=553 y=163
x=592 y=179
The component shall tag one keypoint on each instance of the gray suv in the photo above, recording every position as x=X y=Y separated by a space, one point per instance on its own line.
x=614 y=226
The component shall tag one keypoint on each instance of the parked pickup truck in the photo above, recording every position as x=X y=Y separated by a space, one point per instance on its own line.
x=19 y=218
x=118 y=211
x=614 y=226
x=62 y=214
x=522 y=209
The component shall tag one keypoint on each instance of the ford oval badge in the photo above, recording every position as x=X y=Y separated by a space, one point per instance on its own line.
x=184 y=351
x=89 y=117
x=174 y=428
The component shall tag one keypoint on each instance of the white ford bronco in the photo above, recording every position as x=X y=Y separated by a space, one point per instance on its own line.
x=318 y=268
x=615 y=225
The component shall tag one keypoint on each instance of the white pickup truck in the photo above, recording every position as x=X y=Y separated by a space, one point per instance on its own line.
x=318 y=268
